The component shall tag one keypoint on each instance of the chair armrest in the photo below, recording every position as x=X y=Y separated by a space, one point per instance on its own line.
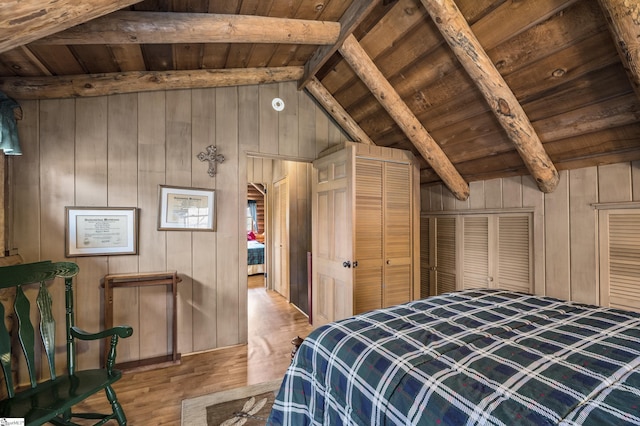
x=115 y=332
x=122 y=331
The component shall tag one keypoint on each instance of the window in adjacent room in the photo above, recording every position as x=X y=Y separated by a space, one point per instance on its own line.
x=252 y=216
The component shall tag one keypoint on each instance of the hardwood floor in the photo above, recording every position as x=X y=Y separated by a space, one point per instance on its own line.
x=154 y=397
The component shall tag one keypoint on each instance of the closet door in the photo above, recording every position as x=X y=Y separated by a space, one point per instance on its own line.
x=475 y=257
x=427 y=259
x=495 y=251
x=398 y=283
x=369 y=237
x=620 y=258
x=514 y=262
x=445 y=268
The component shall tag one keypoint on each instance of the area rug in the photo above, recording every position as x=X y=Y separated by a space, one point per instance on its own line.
x=248 y=406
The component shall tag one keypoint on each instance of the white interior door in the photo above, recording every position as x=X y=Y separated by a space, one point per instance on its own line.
x=333 y=235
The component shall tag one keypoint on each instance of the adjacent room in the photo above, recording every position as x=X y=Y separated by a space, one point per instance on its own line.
x=228 y=187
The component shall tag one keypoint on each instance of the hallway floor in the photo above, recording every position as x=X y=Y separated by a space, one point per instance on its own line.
x=155 y=396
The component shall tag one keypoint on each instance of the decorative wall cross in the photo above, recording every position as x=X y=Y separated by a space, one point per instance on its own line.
x=212 y=158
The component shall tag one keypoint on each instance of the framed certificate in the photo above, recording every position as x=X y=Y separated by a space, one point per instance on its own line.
x=101 y=231
x=186 y=209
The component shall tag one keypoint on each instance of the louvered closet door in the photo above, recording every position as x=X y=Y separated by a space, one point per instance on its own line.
x=620 y=259
x=495 y=252
x=514 y=253
x=398 y=281
x=427 y=265
x=369 y=235
x=476 y=252
x=445 y=254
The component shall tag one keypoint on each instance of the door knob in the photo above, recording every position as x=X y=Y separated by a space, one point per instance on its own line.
x=346 y=264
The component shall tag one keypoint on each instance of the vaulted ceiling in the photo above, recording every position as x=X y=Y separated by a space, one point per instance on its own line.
x=477 y=89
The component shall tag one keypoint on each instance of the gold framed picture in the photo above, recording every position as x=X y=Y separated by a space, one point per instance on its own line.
x=186 y=209
x=101 y=231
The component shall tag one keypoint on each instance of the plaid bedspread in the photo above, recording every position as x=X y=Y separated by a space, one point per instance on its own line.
x=470 y=357
x=255 y=253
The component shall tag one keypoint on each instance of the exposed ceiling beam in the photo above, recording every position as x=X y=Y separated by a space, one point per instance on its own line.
x=339 y=114
x=23 y=22
x=170 y=28
x=501 y=99
x=623 y=18
x=352 y=17
x=129 y=82
x=364 y=67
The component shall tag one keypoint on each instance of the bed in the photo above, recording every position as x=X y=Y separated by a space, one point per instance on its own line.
x=255 y=257
x=470 y=357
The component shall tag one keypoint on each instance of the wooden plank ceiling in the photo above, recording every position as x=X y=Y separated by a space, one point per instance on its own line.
x=477 y=89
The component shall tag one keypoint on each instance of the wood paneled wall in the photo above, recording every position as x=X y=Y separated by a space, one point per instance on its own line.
x=115 y=151
x=565 y=222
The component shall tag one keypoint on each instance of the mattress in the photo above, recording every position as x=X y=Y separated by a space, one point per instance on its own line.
x=470 y=357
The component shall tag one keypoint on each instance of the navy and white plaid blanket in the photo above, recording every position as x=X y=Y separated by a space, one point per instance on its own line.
x=470 y=357
x=255 y=253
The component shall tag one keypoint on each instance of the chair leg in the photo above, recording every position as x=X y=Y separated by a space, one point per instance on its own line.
x=117 y=408
x=67 y=415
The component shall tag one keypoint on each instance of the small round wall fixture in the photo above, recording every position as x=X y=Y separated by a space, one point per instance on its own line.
x=277 y=104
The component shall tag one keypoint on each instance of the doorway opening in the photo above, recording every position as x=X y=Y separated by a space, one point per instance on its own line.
x=256 y=230
x=287 y=225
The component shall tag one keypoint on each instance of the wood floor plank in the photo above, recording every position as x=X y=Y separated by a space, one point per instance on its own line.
x=155 y=396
